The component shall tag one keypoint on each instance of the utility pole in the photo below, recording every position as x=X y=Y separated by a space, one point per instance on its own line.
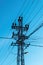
x=20 y=41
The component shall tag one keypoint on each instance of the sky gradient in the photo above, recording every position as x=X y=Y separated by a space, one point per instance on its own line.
x=32 y=12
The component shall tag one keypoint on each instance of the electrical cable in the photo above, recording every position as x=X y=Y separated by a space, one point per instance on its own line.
x=31 y=11
x=36 y=45
x=20 y=9
x=35 y=30
x=27 y=6
x=12 y=61
x=35 y=15
x=37 y=20
x=28 y=45
x=23 y=8
x=33 y=25
x=15 y=19
x=6 y=55
x=7 y=38
x=36 y=38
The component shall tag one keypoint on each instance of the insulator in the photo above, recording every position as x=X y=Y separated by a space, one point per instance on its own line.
x=20 y=19
x=15 y=24
x=27 y=26
x=12 y=34
x=25 y=52
x=11 y=43
x=12 y=25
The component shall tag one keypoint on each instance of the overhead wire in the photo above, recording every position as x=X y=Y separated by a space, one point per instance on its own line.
x=3 y=47
x=35 y=23
x=7 y=55
x=36 y=38
x=12 y=61
x=23 y=8
x=36 y=45
x=28 y=45
x=15 y=20
x=29 y=9
x=35 y=30
x=20 y=9
x=11 y=38
x=35 y=14
x=5 y=38
x=31 y=3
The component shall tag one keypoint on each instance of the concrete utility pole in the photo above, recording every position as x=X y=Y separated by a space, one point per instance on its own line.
x=20 y=41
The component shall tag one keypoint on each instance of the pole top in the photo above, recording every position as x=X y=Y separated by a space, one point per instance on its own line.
x=20 y=19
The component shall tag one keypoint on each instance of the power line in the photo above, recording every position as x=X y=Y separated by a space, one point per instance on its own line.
x=35 y=23
x=28 y=45
x=29 y=9
x=33 y=18
x=35 y=15
x=7 y=38
x=29 y=6
x=20 y=9
x=23 y=8
x=36 y=45
x=12 y=61
x=30 y=33
x=37 y=20
x=23 y=37
x=6 y=56
x=35 y=30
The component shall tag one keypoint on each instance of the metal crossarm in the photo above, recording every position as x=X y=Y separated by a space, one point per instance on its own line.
x=20 y=42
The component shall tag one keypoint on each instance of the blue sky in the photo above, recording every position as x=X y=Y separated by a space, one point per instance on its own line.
x=31 y=10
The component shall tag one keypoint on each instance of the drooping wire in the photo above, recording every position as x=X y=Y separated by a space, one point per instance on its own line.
x=36 y=45
x=28 y=45
x=20 y=9
x=35 y=30
x=7 y=38
x=29 y=9
x=14 y=54
x=35 y=15
x=36 y=21
x=23 y=8
x=7 y=55
x=12 y=61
